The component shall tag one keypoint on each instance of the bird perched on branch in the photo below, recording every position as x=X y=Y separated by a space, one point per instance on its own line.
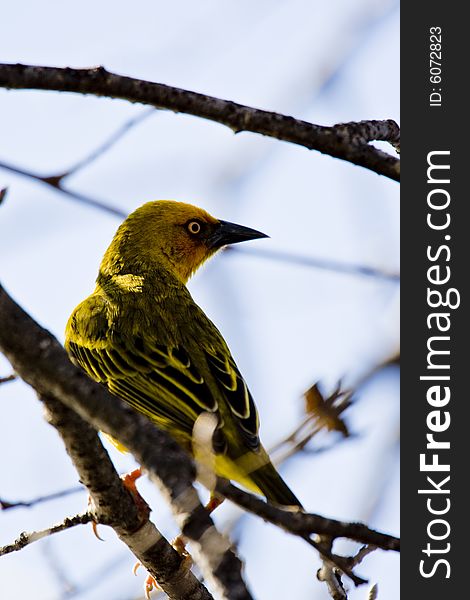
x=141 y=334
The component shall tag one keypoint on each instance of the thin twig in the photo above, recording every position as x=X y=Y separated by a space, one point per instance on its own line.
x=107 y=144
x=54 y=558
x=325 y=414
x=332 y=578
x=306 y=524
x=337 y=562
x=8 y=378
x=329 y=573
x=317 y=263
x=40 y=360
x=345 y=141
x=361 y=554
x=24 y=539
x=320 y=413
x=6 y=505
x=55 y=183
x=98 y=572
x=113 y=504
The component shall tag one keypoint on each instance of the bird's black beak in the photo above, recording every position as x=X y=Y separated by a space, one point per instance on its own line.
x=229 y=233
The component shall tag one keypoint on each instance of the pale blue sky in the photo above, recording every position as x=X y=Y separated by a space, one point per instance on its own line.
x=288 y=326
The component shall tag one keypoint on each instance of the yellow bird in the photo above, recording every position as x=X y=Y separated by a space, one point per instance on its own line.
x=141 y=334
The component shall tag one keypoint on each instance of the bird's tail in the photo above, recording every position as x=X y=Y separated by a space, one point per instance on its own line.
x=271 y=485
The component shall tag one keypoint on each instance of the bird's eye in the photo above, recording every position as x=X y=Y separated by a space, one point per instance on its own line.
x=194 y=227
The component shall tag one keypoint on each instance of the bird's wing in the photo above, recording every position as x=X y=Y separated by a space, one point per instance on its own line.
x=167 y=385
x=236 y=394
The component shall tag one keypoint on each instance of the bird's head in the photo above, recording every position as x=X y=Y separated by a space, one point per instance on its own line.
x=173 y=235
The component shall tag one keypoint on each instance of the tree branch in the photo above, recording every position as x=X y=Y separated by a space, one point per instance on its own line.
x=105 y=145
x=55 y=182
x=6 y=505
x=7 y=378
x=316 y=263
x=325 y=413
x=41 y=361
x=363 y=132
x=329 y=574
x=24 y=539
x=347 y=141
x=306 y=524
x=113 y=505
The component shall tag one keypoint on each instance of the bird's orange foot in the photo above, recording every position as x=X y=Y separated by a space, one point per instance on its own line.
x=150 y=583
x=129 y=480
x=143 y=509
x=129 y=483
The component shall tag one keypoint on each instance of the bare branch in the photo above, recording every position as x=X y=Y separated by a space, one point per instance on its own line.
x=346 y=141
x=325 y=413
x=391 y=361
x=53 y=556
x=24 y=539
x=107 y=144
x=320 y=413
x=6 y=505
x=332 y=578
x=340 y=563
x=42 y=362
x=363 y=132
x=54 y=182
x=316 y=263
x=329 y=574
x=8 y=378
x=306 y=524
x=113 y=504
x=3 y=193
x=361 y=554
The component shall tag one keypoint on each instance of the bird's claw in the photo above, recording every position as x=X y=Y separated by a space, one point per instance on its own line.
x=150 y=582
x=128 y=481
x=149 y=585
x=94 y=526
